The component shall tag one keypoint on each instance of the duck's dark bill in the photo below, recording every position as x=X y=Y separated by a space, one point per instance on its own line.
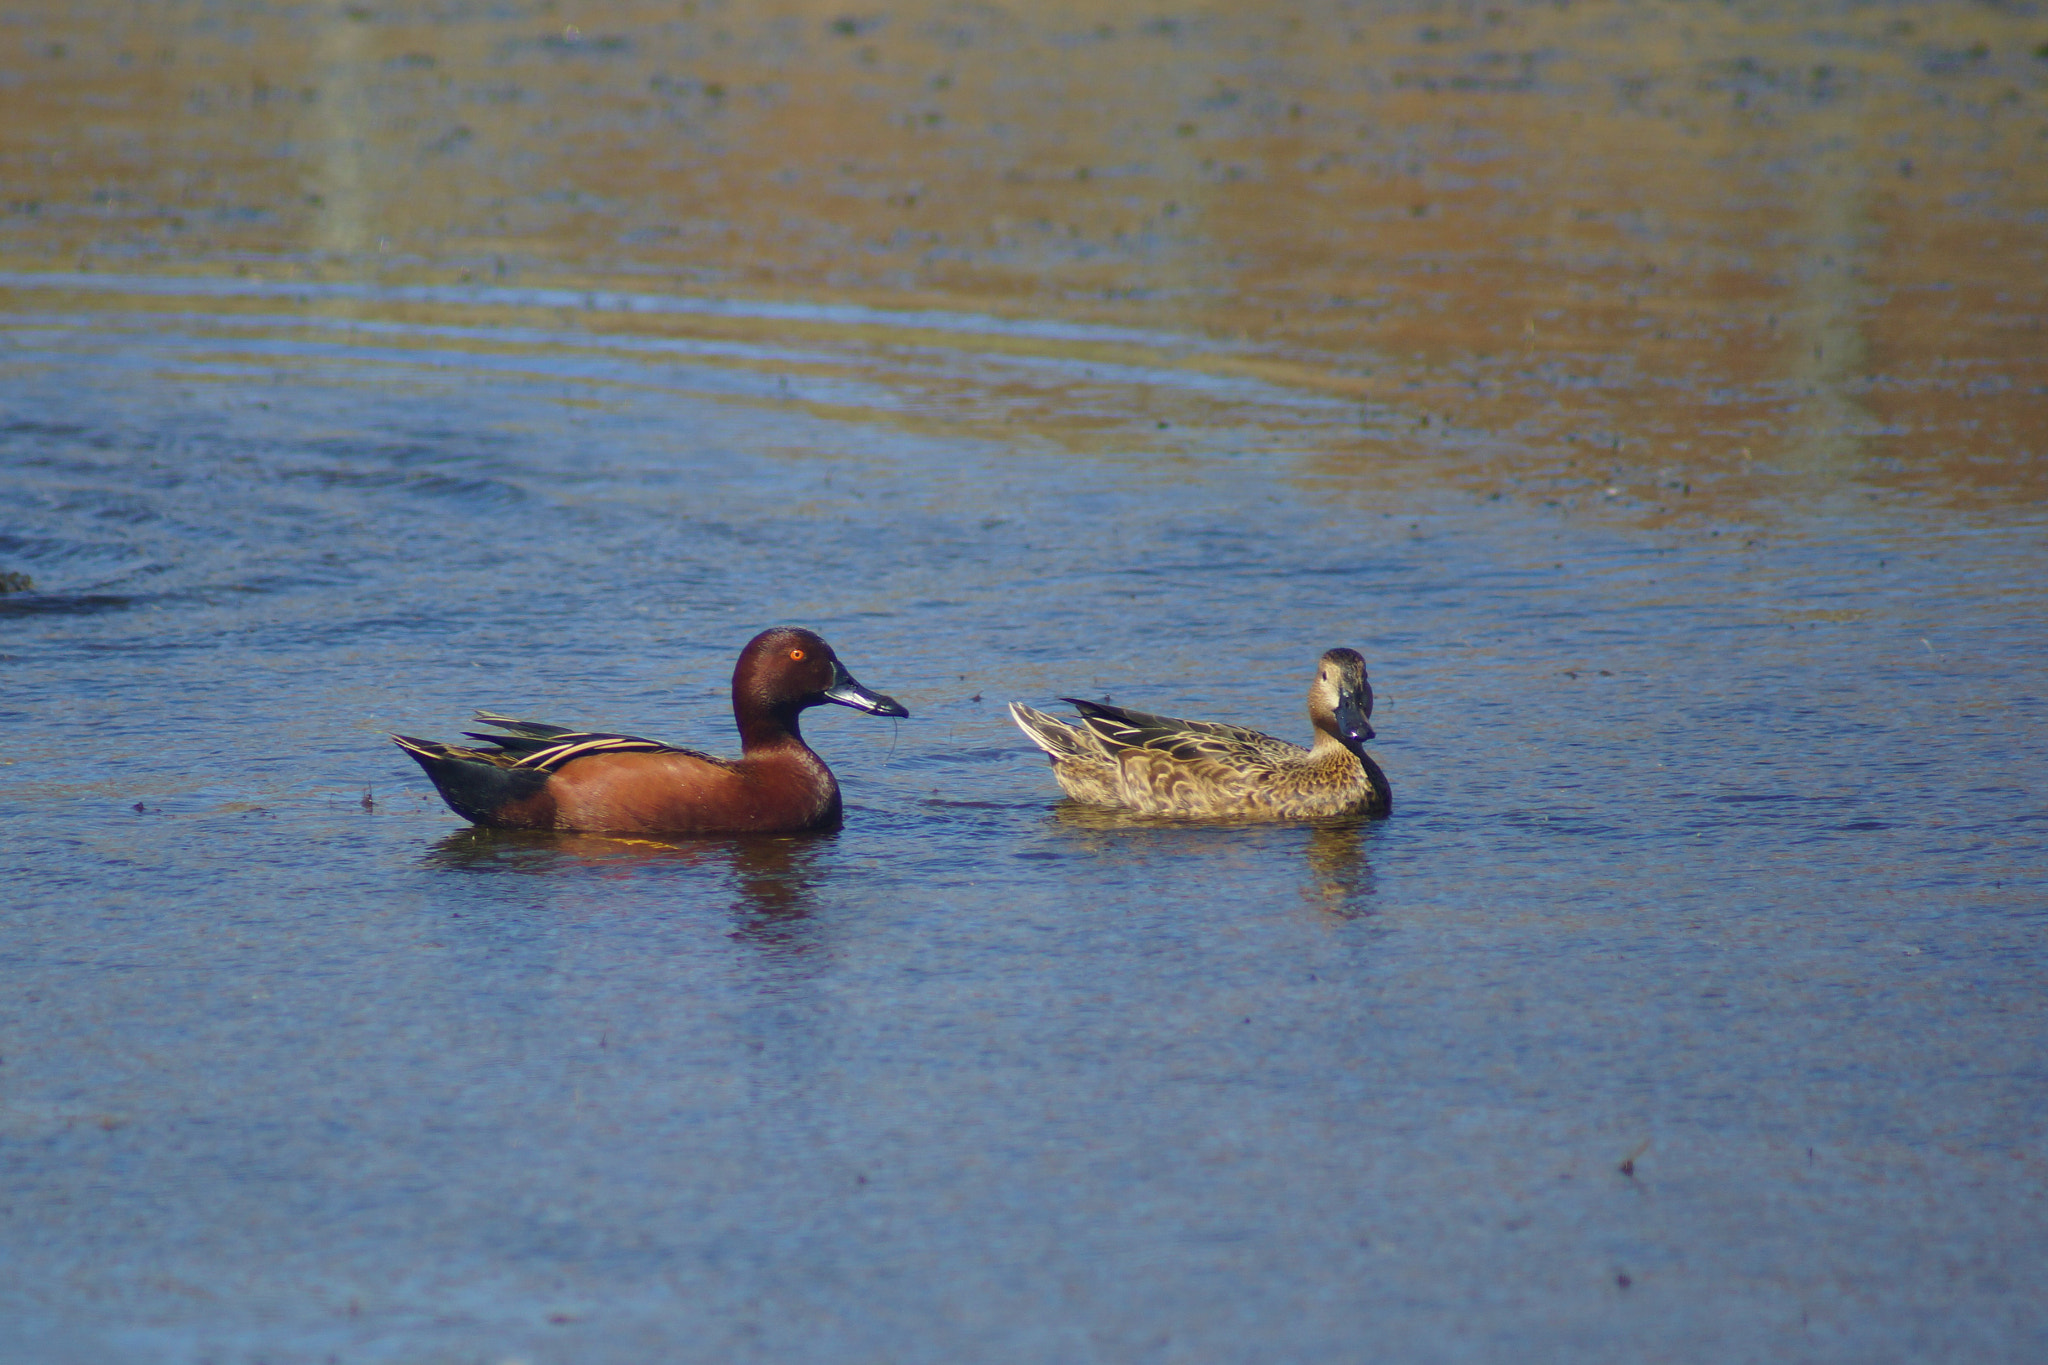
x=846 y=692
x=1352 y=726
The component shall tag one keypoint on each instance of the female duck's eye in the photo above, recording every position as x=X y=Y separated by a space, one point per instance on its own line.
x=796 y=655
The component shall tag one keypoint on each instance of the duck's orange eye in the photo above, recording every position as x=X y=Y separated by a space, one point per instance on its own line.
x=797 y=655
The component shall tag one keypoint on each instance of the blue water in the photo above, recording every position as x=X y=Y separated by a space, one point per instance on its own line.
x=1718 y=851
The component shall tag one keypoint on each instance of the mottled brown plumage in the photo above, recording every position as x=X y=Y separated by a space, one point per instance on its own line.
x=1196 y=769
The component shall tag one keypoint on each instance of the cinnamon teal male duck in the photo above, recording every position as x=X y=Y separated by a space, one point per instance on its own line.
x=538 y=776
x=1198 y=769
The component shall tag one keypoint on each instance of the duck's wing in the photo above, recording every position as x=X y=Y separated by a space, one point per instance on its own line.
x=1059 y=739
x=1191 y=741
x=1082 y=764
x=524 y=729
x=545 y=748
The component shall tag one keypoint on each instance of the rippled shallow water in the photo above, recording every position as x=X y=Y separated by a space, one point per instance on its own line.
x=1655 y=396
x=1715 y=848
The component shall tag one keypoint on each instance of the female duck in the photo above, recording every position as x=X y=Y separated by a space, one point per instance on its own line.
x=545 y=777
x=1156 y=765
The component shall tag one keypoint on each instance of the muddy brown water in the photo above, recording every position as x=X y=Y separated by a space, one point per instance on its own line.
x=1656 y=397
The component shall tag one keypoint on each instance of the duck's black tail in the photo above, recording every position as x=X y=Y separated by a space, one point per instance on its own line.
x=477 y=785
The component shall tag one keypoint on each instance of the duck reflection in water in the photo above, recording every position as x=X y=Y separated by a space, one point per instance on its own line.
x=775 y=878
x=1336 y=875
x=777 y=881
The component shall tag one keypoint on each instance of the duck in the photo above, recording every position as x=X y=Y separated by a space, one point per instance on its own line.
x=536 y=776
x=1199 y=769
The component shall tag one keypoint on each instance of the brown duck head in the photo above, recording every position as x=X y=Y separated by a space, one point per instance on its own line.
x=786 y=669
x=1340 y=698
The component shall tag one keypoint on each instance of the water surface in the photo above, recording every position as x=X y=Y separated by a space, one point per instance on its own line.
x=1689 y=1006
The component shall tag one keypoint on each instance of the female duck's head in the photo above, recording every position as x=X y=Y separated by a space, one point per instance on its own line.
x=1340 y=698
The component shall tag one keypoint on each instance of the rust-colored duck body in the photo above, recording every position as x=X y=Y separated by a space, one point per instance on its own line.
x=538 y=776
x=1198 y=769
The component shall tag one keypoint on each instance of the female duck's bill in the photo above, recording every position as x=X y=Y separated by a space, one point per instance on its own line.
x=537 y=776
x=1158 y=765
